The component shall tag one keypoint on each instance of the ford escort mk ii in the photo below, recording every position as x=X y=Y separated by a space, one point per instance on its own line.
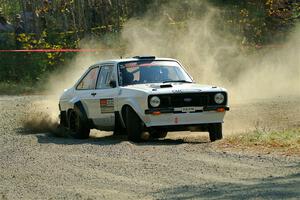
x=142 y=94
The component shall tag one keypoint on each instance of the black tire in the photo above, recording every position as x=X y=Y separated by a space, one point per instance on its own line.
x=63 y=119
x=215 y=132
x=60 y=131
x=119 y=129
x=158 y=133
x=134 y=125
x=78 y=125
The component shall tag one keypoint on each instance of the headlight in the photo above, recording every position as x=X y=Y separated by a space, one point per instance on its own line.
x=219 y=98
x=155 y=101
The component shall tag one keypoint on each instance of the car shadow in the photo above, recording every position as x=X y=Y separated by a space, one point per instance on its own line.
x=100 y=139
x=105 y=140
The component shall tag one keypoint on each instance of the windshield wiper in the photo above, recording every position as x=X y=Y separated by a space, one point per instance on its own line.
x=177 y=81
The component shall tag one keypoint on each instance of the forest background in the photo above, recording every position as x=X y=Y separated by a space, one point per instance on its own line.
x=67 y=24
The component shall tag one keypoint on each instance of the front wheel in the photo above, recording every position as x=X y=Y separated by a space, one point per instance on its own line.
x=158 y=134
x=134 y=125
x=118 y=129
x=215 y=132
x=78 y=127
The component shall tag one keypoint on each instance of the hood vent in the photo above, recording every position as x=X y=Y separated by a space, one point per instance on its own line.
x=166 y=86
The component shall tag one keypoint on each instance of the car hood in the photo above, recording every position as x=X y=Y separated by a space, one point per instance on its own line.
x=165 y=88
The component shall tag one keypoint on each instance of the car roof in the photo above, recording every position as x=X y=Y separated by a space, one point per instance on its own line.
x=134 y=59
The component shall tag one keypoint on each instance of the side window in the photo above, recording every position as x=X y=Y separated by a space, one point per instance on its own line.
x=105 y=76
x=89 y=81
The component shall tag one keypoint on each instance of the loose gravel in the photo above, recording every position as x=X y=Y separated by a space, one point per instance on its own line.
x=38 y=165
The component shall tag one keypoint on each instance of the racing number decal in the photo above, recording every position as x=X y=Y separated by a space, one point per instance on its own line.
x=107 y=105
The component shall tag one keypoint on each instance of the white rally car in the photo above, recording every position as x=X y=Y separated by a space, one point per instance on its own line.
x=142 y=94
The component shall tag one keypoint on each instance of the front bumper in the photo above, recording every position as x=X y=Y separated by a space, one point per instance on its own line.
x=175 y=110
x=155 y=118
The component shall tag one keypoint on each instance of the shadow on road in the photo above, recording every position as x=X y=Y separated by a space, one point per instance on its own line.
x=269 y=188
x=106 y=139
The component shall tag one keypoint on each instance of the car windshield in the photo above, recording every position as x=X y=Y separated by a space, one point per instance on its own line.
x=143 y=72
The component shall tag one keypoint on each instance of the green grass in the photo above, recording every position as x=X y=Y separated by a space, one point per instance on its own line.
x=19 y=89
x=286 y=141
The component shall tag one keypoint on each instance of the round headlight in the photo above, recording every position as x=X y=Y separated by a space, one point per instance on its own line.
x=219 y=98
x=155 y=101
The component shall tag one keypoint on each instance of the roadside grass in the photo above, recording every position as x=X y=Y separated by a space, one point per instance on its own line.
x=19 y=88
x=285 y=142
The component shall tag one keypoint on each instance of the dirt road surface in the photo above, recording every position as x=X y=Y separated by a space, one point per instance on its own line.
x=182 y=166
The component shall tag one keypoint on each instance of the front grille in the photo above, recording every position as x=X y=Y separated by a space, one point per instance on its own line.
x=186 y=100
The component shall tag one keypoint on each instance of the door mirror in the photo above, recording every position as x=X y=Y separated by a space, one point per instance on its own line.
x=113 y=83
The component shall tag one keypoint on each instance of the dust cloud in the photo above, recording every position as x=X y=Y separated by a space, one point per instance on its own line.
x=40 y=122
x=40 y=117
x=213 y=56
x=67 y=77
x=210 y=53
x=43 y=116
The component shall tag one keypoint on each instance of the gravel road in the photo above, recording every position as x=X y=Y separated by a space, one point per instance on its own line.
x=182 y=166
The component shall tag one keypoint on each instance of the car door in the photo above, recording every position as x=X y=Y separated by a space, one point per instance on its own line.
x=106 y=94
x=85 y=91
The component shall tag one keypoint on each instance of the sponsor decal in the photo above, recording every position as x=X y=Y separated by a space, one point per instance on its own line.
x=107 y=105
x=103 y=102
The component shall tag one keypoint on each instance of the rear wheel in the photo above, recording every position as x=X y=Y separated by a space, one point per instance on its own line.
x=78 y=126
x=215 y=132
x=62 y=128
x=63 y=119
x=134 y=125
